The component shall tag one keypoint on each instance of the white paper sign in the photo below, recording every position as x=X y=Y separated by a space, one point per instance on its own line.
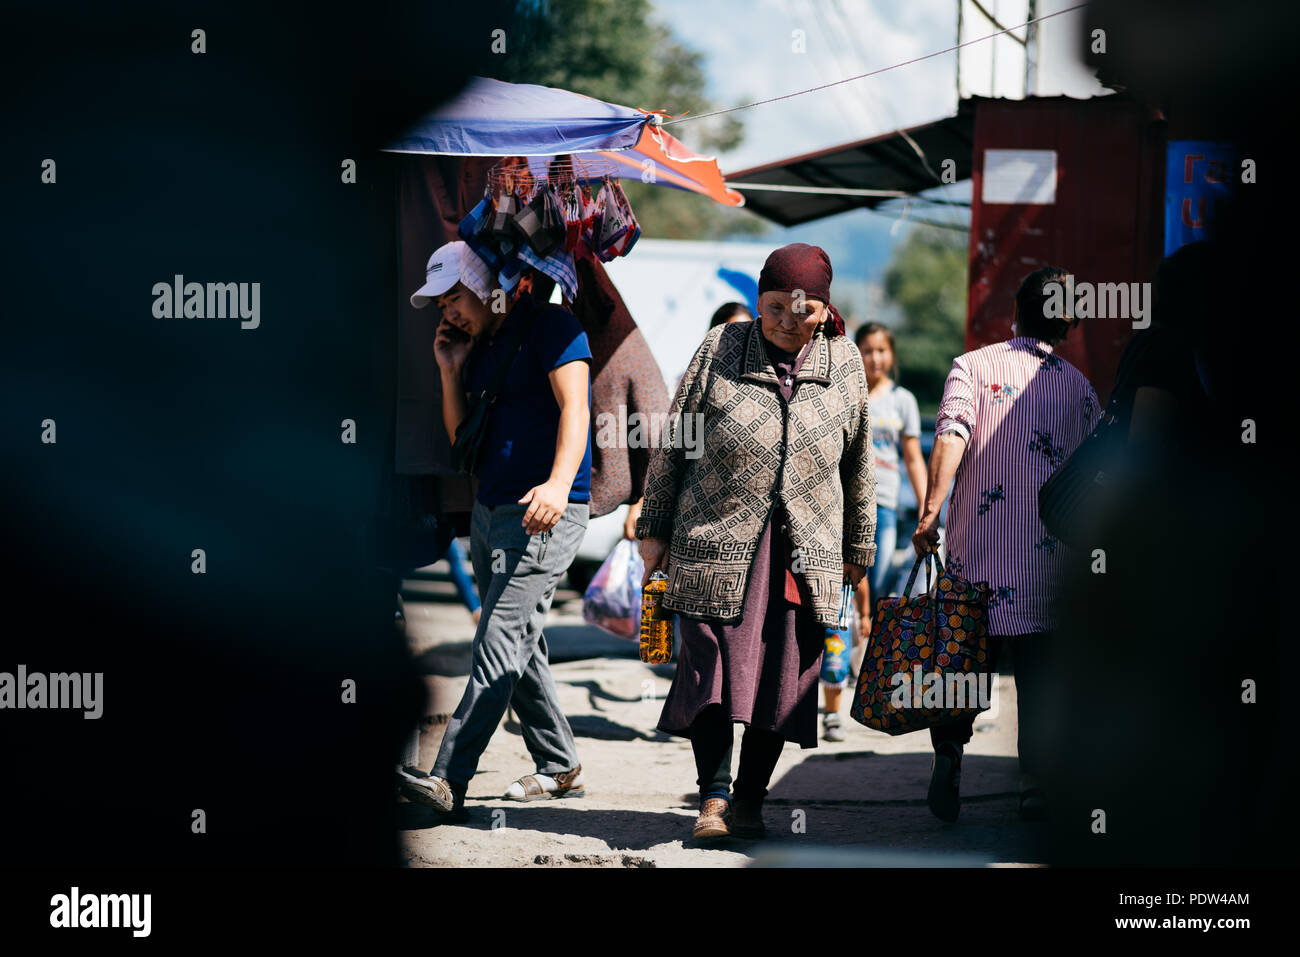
x=1019 y=176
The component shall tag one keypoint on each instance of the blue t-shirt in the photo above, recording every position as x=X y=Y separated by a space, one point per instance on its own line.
x=519 y=448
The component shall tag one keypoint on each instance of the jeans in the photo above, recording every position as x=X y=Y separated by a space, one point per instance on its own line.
x=460 y=577
x=445 y=546
x=886 y=542
x=518 y=574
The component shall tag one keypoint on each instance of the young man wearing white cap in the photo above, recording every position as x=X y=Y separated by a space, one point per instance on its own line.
x=530 y=515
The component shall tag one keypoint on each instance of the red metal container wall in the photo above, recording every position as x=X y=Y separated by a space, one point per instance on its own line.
x=1105 y=225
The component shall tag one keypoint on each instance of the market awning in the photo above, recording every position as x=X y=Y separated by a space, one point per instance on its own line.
x=859 y=175
x=494 y=118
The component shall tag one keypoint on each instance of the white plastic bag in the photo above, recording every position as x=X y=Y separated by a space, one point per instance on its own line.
x=613 y=599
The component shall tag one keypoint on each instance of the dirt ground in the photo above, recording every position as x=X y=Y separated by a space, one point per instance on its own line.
x=855 y=803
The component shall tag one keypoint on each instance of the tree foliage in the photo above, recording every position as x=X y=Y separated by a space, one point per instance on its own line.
x=927 y=280
x=612 y=50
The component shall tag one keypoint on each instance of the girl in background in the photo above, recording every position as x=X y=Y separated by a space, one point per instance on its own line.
x=730 y=312
x=896 y=437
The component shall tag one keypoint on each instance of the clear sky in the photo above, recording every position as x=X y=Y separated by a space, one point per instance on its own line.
x=748 y=46
x=750 y=53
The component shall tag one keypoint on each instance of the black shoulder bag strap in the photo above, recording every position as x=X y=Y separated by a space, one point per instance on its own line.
x=467 y=448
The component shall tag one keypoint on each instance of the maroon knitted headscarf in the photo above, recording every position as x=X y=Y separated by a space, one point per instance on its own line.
x=801 y=266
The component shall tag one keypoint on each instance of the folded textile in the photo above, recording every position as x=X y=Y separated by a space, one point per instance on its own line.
x=509 y=276
x=541 y=223
x=558 y=265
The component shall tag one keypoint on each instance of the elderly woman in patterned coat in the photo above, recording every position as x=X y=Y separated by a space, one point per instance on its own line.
x=759 y=528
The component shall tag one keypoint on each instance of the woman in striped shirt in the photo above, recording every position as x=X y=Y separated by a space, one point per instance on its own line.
x=1011 y=413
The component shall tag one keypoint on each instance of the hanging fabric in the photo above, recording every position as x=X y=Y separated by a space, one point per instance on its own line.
x=541 y=222
x=613 y=225
x=572 y=219
x=634 y=231
x=504 y=209
x=473 y=230
x=547 y=220
x=558 y=266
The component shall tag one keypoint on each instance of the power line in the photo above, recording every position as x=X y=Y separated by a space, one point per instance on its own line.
x=818 y=190
x=863 y=76
x=833 y=35
x=844 y=191
x=814 y=15
x=994 y=20
x=954 y=227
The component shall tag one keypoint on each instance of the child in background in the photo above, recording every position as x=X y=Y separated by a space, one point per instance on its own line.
x=896 y=436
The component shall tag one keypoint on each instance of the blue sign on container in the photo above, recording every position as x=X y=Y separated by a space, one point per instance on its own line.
x=1199 y=177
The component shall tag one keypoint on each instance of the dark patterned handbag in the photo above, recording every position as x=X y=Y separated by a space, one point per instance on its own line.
x=1071 y=498
x=1068 y=500
x=926 y=655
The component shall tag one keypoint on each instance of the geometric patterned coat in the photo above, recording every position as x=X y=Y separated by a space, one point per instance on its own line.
x=713 y=502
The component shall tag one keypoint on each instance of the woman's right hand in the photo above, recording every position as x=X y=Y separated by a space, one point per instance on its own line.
x=926 y=537
x=654 y=552
x=450 y=349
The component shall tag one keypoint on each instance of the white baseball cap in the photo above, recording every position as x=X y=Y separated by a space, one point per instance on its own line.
x=452 y=263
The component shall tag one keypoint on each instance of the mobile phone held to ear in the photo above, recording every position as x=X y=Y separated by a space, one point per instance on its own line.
x=456 y=334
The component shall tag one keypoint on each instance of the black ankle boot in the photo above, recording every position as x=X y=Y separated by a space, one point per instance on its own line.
x=944 y=796
x=747 y=816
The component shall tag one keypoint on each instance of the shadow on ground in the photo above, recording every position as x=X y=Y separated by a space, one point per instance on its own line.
x=818 y=809
x=579 y=642
x=874 y=778
x=619 y=829
x=452 y=659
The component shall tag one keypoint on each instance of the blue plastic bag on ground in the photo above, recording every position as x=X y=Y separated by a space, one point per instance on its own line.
x=613 y=599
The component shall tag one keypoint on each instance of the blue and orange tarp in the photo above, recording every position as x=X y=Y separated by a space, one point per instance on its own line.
x=494 y=118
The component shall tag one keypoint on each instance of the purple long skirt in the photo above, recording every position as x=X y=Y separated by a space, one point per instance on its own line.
x=764 y=669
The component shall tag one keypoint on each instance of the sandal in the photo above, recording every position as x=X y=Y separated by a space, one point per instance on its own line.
x=568 y=784
x=434 y=793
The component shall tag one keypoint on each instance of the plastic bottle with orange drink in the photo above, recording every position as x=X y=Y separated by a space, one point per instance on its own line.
x=656 y=622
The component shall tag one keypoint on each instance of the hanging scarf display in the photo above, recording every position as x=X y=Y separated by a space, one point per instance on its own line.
x=544 y=222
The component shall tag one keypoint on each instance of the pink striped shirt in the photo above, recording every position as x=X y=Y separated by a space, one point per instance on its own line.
x=1026 y=410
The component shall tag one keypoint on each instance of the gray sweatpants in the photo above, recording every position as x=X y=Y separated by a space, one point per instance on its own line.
x=516 y=575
